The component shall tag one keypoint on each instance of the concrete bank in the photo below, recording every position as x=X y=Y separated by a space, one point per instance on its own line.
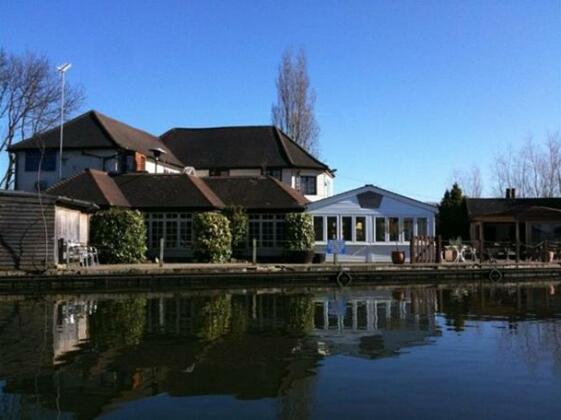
x=152 y=277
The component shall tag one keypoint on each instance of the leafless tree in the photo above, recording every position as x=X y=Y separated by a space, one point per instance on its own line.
x=294 y=109
x=534 y=169
x=30 y=96
x=469 y=181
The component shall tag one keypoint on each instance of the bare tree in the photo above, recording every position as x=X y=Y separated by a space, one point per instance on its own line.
x=30 y=96
x=534 y=169
x=294 y=110
x=469 y=181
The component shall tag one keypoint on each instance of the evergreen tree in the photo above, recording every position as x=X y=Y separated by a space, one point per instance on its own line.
x=452 y=216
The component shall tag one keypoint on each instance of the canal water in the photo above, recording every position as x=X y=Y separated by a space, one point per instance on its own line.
x=474 y=351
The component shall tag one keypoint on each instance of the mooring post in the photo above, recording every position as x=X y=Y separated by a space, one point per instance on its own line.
x=254 y=253
x=162 y=243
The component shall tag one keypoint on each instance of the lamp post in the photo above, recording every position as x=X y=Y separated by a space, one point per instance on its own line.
x=61 y=69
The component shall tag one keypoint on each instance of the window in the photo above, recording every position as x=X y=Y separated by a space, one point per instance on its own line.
x=185 y=230
x=275 y=173
x=407 y=228
x=175 y=228
x=218 y=172
x=347 y=223
x=172 y=230
x=360 y=229
x=267 y=229
x=394 y=228
x=545 y=231
x=308 y=185
x=33 y=157
x=422 y=226
x=332 y=227
x=318 y=228
x=380 y=229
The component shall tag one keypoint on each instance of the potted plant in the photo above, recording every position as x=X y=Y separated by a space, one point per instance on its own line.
x=299 y=237
x=398 y=256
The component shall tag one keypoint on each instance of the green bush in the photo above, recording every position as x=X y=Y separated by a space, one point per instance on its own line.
x=299 y=232
x=213 y=239
x=239 y=224
x=119 y=235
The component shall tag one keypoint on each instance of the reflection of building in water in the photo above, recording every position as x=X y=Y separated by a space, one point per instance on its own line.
x=70 y=326
x=373 y=324
x=90 y=356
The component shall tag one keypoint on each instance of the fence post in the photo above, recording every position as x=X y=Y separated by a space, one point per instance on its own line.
x=254 y=251
x=439 y=249
x=546 y=250
x=412 y=250
x=162 y=243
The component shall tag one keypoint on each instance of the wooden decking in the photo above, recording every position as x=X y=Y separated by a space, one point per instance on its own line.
x=153 y=277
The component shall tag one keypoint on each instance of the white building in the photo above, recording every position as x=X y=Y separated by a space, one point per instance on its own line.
x=372 y=221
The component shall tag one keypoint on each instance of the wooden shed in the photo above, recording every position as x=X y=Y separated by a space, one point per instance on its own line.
x=31 y=225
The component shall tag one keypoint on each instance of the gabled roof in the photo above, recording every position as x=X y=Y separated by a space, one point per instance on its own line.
x=372 y=189
x=516 y=207
x=238 y=147
x=91 y=185
x=257 y=193
x=93 y=130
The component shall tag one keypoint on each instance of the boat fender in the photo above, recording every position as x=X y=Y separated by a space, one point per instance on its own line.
x=495 y=275
x=344 y=278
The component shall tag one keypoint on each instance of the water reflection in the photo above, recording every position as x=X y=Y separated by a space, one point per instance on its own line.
x=72 y=356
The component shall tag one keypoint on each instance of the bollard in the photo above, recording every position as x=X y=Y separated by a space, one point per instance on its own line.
x=162 y=243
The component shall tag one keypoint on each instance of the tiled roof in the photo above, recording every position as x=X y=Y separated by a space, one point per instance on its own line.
x=93 y=130
x=91 y=185
x=180 y=191
x=480 y=207
x=257 y=193
x=145 y=191
x=238 y=147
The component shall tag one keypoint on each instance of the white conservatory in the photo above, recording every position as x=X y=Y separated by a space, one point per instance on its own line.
x=371 y=221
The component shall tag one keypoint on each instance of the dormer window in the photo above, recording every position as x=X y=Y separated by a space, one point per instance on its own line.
x=308 y=185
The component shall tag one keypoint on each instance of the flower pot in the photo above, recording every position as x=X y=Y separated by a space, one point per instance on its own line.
x=319 y=258
x=548 y=256
x=398 y=257
x=450 y=255
x=301 y=257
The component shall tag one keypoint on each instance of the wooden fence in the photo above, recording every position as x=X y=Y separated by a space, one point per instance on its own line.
x=425 y=249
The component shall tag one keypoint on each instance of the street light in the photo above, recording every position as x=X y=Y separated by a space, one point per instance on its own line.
x=61 y=69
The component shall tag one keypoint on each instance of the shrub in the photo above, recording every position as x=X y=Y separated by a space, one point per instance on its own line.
x=239 y=224
x=299 y=232
x=119 y=235
x=213 y=239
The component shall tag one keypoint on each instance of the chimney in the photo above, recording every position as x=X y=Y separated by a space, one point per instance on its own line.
x=510 y=193
x=507 y=195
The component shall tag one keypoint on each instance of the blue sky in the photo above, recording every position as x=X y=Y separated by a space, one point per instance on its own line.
x=407 y=91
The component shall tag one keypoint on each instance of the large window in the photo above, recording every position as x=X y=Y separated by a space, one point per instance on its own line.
x=332 y=227
x=540 y=232
x=393 y=226
x=318 y=228
x=360 y=229
x=422 y=227
x=33 y=158
x=267 y=229
x=347 y=228
x=308 y=185
x=380 y=229
x=407 y=228
x=175 y=228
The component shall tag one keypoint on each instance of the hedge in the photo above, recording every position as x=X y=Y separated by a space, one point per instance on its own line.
x=119 y=236
x=213 y=239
